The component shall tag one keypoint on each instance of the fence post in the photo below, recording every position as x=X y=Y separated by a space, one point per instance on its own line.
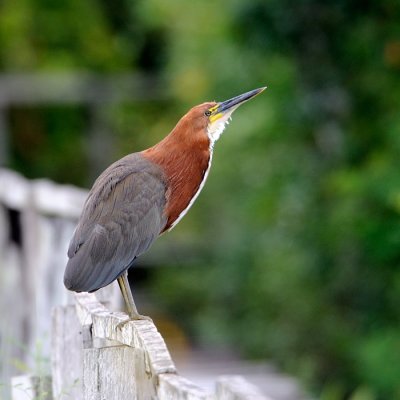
x=68 y=339
x=108 y=373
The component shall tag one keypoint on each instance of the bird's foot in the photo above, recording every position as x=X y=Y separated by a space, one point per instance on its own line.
x=139 y=317
x=134 y=317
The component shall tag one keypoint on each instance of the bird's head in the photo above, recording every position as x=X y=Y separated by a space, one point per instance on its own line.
x=210 y=118
x=219 y=114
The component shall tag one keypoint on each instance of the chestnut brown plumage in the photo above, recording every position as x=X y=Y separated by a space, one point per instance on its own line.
x=141 y=196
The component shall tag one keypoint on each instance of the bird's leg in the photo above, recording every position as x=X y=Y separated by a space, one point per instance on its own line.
x=127 y=294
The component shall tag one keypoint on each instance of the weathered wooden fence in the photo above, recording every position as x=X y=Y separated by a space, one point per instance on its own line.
x=95 y=353
x=98 y=354
x=37 y=219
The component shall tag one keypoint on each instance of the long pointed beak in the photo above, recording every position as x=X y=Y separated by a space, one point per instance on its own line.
x=235 y=102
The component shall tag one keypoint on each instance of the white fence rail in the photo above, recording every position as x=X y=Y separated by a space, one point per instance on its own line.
x=37 y=219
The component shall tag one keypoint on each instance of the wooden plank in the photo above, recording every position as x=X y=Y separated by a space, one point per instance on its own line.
x=32 y=282
x=117 y=326
x=45 y=242
x=108 y=373
x=156 y=363
x=67 y=354
x=14 y=307
x=49 y=198
x=146 y=381
x=42 y=195
x=14 y=189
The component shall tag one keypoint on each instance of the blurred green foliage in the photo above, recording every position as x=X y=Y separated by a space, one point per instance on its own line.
x=296 y=236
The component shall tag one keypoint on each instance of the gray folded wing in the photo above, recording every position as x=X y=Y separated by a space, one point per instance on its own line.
x=121 y=218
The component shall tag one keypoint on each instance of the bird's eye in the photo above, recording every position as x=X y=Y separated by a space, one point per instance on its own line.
x=207 y=113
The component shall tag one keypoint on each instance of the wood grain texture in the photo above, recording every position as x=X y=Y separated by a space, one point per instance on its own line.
x=98 y=354
x=69 y=338
x=144 y=358
x=117 y=326
x=108 y=373
x=37 y=221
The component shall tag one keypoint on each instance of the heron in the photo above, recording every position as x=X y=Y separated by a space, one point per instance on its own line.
x=143 y=195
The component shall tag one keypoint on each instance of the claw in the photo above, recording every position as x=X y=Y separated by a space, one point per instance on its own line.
x=136 y=317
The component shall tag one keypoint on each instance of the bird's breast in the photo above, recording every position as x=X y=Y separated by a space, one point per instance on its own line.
x=186 y=172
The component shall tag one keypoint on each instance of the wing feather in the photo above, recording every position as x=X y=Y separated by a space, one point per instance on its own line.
x=123 y=215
